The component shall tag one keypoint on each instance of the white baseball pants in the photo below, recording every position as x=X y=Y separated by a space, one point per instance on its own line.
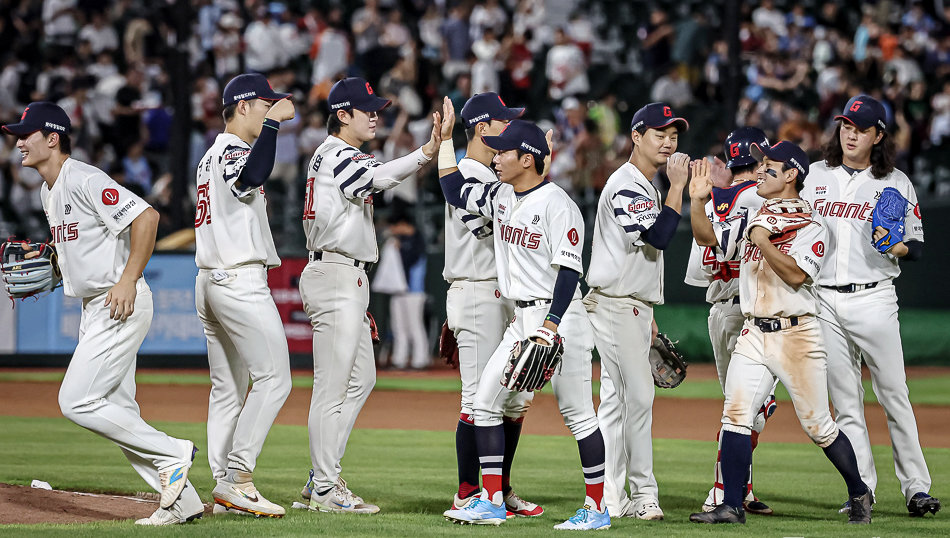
x=246 y=342
x=335 y=296
x=864 y=324
x=407 y=319
x=98 y=391
x=622 y=331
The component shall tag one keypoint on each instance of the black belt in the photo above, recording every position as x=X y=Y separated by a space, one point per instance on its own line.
x=316 y=255
x=734 y=300
x=536 y=302
x=770 y=325
x=851 y=288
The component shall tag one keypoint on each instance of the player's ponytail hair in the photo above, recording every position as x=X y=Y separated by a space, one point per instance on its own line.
x=883 y=154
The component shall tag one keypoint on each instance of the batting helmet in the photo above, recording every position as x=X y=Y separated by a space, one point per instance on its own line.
x=738 y=144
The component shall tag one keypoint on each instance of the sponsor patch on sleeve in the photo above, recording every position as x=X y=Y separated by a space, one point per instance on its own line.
x=110 y=196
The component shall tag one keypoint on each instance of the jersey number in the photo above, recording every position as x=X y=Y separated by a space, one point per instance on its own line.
x=308 y=213
x=203 y=208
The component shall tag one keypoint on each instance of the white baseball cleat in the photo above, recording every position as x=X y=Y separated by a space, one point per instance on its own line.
x=171 y=516
x=586 y=519
x=479 y=510
x=236 y=491
x=520 y=507
x=649 y=510
x=341 y=499
x=174 y=478
x=220 y=510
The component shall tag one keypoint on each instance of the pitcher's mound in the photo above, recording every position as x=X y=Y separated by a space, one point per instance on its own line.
x=23 y=504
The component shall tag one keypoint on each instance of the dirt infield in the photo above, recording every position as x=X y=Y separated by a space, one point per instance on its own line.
x=673 y=418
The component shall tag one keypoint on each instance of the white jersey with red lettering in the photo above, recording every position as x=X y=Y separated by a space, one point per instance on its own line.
x=536 y=233
x=338 y=208
x=469 y=252
x=862 y=280
x=717 y=268
x=845 y=202
x=763 y=294
x=622 y=263
x=89 y=216
x=231 y=227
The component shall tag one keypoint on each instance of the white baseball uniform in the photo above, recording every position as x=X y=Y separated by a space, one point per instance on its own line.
x=536 y=233
x=338 y=222
x=863 y=322
x=717 y=270
x=477 y=312
x=246 y=341
x=90 y=216
x=790 y=349
x=626 y=281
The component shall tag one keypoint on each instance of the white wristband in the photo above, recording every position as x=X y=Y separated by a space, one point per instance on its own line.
x=447 y=155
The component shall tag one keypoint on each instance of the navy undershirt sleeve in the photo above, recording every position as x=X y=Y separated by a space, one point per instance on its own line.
x=564 y=288
x=915 y=249
x=660 y=234
x=260 y=163
x=452 y=188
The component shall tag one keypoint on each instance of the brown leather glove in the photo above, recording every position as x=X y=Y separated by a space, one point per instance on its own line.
x=448 y=347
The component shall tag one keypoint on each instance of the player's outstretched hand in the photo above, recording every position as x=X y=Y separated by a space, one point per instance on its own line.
x=677 y=169
x=432 y=146
x=122 y=300
x=701 y=184
x=549 y=138
x=448 y=118
x=282 y=110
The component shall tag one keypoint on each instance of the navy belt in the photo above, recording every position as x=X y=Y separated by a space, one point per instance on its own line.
x=851 y=288
x=316 y=255
x=734 y=300
x=536 y=302
x=770 y=325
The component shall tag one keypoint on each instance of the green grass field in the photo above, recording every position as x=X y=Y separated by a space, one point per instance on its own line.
x=923 y=391
x=411 y=475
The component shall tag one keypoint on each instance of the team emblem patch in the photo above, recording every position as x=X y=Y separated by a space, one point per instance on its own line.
x=818 y=248
x=917 y=211
x=573 y=236
x=640 y=203
x=110 y=196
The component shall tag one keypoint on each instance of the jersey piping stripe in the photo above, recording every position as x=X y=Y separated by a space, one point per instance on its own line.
x=365 y=189
x=340 y=167
x=629 y=194
x=352 y=179
x=468 y=217
x=630 y=228
x=619 y=212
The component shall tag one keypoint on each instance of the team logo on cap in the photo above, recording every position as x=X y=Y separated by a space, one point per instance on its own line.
x=668 y=112
x=856 y=106
x=734 y=149
x=110 y=196
x=369 y=89
x=25 y=110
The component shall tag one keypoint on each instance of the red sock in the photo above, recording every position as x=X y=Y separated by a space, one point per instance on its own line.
x=492 y=484
x=596 y=493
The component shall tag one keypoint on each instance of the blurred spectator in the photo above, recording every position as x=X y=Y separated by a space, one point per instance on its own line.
x=767 y=17
x=456 y=44
x=566 y=68
x=100 y=35
x=656 y=40
x=407 y=309
x=136 y=169
x=330 y=50
x=673 y=88
x=227 y=47
x=487 y=16
x=59 y=22
x=485 y=69
x=264 y=49
x=127 y=114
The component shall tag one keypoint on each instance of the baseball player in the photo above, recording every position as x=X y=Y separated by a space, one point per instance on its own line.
x=341 y=238
x=856 y=291
x=234 y=250
x=104 y=236
x=780 y=336
x=633 y=228
x=477 y=312
x=538 y=244
x=718 y=222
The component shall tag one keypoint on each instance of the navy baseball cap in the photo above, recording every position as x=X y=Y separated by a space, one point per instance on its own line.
x=355 y=92
x=783 y=152
x=657 y=116
x=863 y=111
x=40 y=116
x=519 y=134
x=739 y=143
x=250 y=86
x=486 y=107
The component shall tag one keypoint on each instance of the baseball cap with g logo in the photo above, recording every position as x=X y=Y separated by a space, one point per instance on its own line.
x=863 y=111
x=250 y=86
x=486 y=107
x=40 y=116
x=519 y=134
x=657 y=116
x=355 y=92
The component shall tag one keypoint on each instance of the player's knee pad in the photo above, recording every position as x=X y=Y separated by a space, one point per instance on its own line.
x=582 y=427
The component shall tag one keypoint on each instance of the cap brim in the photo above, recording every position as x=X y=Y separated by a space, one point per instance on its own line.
x=852 y=122
x=500 y=143
x=511 y=114
x=374 y=105
x=19 y=129
x=274 y=96
x=682 y=124
x=757 y=152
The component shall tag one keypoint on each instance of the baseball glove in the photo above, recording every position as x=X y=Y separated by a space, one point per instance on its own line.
x=532 y=364
x=373 y=330
x=666 y=363
x=889 y=214
x=782 y=218
x=25 y=277
x=448 y=347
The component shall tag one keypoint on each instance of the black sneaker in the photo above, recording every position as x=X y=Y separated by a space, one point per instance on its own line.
x=722 y=514
x=756 y=506
x=921 y=503
x=860 y=513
